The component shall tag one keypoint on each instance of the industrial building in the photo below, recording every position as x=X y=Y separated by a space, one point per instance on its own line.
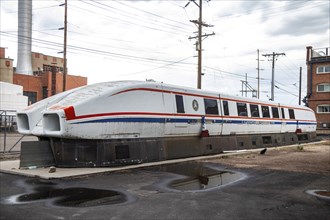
x=318 y=85
x=39 y=75
x=46 y=80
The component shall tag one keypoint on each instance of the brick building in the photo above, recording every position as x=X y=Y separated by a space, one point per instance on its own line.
x=318 y=85
x=47 y=78
x=6 y=67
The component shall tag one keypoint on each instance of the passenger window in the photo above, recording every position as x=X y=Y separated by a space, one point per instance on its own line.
x=179 y=104
x=241 y=109
x=291 y=114
x=275 y=112
x=211 y=107
x=265 y=111
x=283 y=115
x=254 y=111
x=225 y=108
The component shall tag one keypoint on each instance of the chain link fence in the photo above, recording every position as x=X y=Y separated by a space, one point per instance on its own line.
x=10 y=139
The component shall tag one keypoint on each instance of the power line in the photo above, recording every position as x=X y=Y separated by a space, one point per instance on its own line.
x=136 y=16
x=159 y=67
x=277 y=87
x=124 y=21
x=100 y=52
x=151 y=13
x=271 y=12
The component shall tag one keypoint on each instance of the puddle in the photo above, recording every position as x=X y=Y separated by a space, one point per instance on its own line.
x=205 y=182
x=322 y=194
x=70 y=197
x=198 y=176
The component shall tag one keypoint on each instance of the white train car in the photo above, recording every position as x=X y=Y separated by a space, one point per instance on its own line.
x=131 y=122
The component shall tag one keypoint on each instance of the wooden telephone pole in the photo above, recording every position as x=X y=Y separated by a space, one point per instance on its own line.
x=273 y=55
x=199 y=37
x=65 y=42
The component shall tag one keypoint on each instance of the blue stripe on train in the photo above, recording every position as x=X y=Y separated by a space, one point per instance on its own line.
x=183 y=120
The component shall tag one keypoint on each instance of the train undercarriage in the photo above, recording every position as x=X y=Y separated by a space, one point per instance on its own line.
x=61 y=152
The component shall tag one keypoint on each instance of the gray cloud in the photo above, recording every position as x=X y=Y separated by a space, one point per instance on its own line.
x=314 y=22
x=241 y=8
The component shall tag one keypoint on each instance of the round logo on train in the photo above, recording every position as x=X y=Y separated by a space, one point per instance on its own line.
x=195 y=104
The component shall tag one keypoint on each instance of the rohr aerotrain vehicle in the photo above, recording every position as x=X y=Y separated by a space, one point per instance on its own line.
x=126 y=122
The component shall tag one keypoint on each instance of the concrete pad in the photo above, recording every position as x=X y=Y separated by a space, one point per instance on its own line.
x=12 y=166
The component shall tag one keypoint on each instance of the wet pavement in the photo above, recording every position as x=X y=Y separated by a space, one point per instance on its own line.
x=216 y=192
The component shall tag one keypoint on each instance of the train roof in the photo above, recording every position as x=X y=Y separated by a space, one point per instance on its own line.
x=106 y=89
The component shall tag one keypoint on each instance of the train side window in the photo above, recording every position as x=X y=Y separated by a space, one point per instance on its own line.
x=225 y=108
x=211 y=107
x=291 y=114
x=179 y=104
x=265 y=112
x=283 y=115
x=254 y=111
x=241 y=109
x=275 y=112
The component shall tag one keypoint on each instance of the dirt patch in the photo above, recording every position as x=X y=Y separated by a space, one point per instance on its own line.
x=9 y=156
x=314 y=158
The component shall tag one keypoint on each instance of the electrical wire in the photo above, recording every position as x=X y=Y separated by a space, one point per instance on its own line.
x=96 y=51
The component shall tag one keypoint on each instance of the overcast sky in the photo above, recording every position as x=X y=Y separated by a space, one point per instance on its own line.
x=112 y=40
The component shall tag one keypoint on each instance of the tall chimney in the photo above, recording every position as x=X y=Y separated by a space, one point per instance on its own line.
x=24 y=61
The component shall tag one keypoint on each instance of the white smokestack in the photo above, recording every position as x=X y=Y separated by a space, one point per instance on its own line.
x=24 y=61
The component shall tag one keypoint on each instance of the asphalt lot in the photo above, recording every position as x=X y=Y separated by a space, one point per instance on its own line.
x=144 y=193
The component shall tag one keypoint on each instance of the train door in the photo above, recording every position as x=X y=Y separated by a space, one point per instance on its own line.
x=195 y=110
x=289 y=122
x=176 y=123
x=283 y=119
x=222 y=111
x=212 y=121
x=295 y=123
x=228 y=110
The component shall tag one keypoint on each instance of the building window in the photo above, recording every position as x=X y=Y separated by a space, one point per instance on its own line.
x=179 y=104
x=323 y=69
x=241 y=109
x=44 y=92
x=211 y=107
x=32 y=97
x=47 y=68
x=37 y=55
x=45 y=57
x=324 y=87
x=254 y=111
x=275 y=112
x=265 y=112
x=225 y=108
x=291 y=114
x=323 y=109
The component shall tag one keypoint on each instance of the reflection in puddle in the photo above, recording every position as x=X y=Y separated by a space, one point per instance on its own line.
x=199 y=176
x=71 y=197
x=206 y=182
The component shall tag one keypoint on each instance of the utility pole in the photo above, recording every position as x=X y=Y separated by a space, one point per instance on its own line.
x=199 y=37
x=65 y=38
x=273 y=55
x=65 y=42
x=300 y=72
x=258 y=71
